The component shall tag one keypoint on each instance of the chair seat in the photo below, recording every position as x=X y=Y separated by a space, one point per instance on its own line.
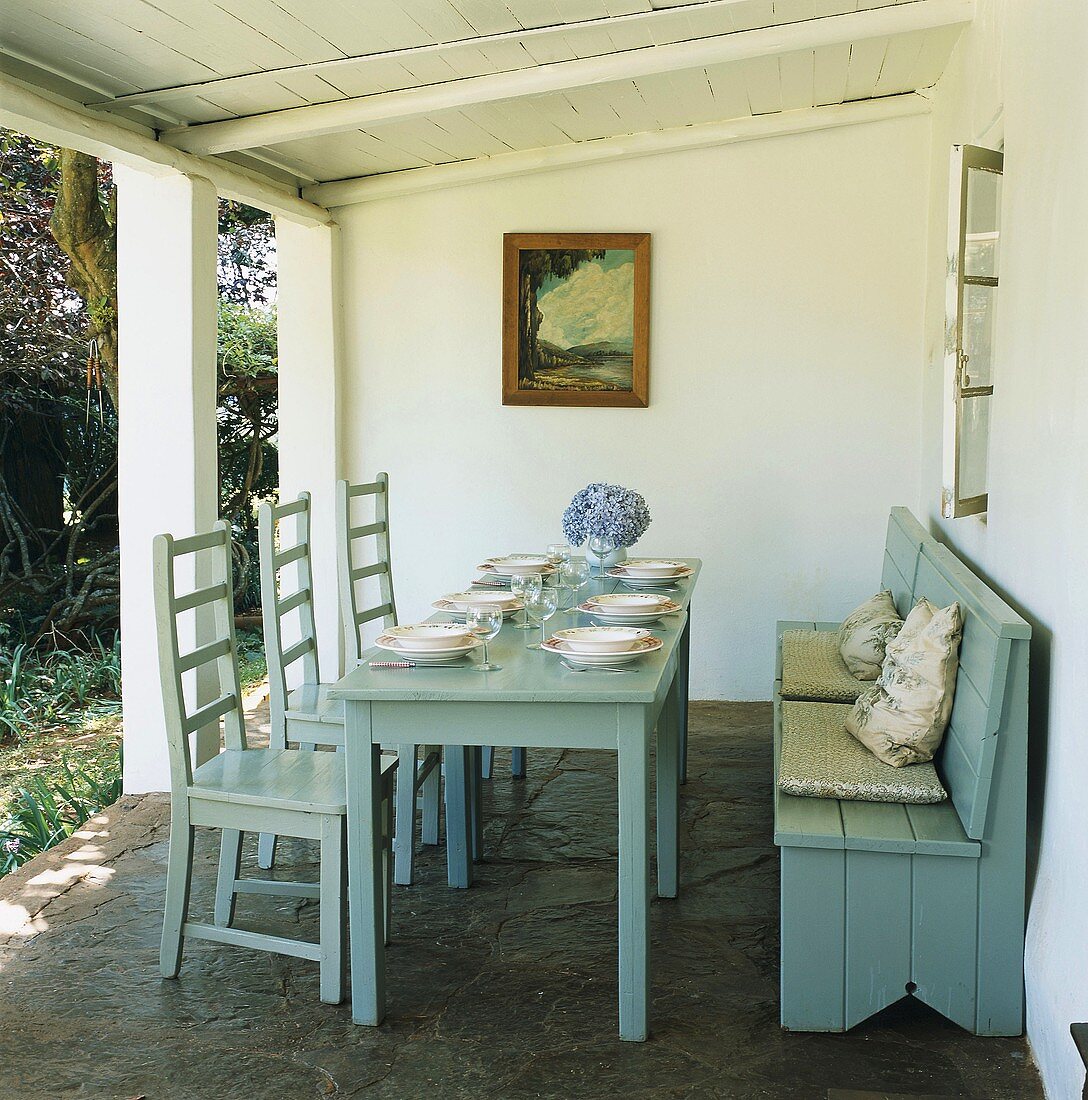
x=813 y=669
x=310 y=782
x=311 y=703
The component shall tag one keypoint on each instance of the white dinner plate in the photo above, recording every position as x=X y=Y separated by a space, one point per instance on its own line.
x=430 y=637
x=633 y=603
x=509 y=565
x=601 y=639
x=649 y=582
x=562 y=649
x=429 y=656
x=653 y=567
x=450 y=607
x=646 y=619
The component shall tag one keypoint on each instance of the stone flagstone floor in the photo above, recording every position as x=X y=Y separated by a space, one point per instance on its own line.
x=506 y=990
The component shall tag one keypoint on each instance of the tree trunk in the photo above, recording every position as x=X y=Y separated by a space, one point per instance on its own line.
x=83 y=227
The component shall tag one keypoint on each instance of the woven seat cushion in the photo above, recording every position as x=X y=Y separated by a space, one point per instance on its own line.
x=819 y=759
x=812 y=668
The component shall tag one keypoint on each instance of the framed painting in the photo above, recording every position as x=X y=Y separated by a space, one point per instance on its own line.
x=576 y=319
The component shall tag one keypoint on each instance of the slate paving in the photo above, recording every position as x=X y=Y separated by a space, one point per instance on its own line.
x=506 y=990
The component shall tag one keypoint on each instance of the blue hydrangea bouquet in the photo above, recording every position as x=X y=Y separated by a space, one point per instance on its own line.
x=606 y=513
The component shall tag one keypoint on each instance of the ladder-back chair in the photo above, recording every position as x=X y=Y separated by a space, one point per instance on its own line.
x=240 y=789
x=353 y=542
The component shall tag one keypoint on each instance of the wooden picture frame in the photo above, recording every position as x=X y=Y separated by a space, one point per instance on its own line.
x=576 y=319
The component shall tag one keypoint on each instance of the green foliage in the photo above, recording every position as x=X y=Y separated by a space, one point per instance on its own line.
x=45 y=813
x=252 y=668
x=13 y=694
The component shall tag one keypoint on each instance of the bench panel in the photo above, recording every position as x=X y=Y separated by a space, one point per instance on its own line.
x=813 y=939
x=945 y=900
x=968 y=790
x=878 y=932
x=905 y=537
x=876 y=826
x=938 y=831
x=901 y=585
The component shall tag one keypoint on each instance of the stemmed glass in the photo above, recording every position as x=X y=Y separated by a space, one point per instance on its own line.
x=523 y=585
x=558 y=554
x=601 y=545
x=540 y=607
x=575 y=574
x=484 y=622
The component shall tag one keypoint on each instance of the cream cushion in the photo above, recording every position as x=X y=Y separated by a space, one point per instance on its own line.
x=813 y=669
x=901 y=719
x=866 y=632
x=819 y=759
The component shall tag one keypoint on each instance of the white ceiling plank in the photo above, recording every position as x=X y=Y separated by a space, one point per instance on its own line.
x=486 y=16
x=426 y=139
x=591 y=43
x=797 y=74
x=633 y=113
x=534 y=13
x=627 y=7
x=790 y=11
x=693 y=91
x=380 y=75
x=630 y=36
x=860 y=27
x=866 y=58
x=517 y=124
x=548 y=49
x=352 y=29
x=470 y=134
x=609 y=150
x=429 y=68
x=662 y=99
x=295 y=35
x=709 y=19
x=934 y=56
x=831 y=67
x=764 y=83
x=900 y=61
x=560 y=112
x=440 y=19
x=730 y=91
x=822 y=8
x=573 y=11
x=754 y=13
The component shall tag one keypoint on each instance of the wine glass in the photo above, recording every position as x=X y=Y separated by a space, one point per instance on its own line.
x=523 y=585
x=540 y=607
x=602 y=546
x=558 y=554
x=575 y=574
x=484 y=622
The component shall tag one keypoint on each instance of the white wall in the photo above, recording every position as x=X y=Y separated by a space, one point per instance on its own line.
x=787 y=293
x=1029 y=56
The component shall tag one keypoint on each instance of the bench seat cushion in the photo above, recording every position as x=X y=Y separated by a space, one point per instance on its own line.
x=813 y=669
x=819 y=759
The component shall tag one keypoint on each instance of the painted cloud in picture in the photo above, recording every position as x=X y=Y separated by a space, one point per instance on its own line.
x=575 y=319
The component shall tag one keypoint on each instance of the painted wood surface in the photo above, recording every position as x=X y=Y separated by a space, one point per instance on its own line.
x=946 y=881
x=466 y=710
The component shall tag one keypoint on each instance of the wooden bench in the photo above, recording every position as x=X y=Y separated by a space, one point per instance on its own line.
x=884 y=900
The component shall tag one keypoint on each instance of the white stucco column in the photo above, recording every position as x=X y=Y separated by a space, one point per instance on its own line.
x=309 y=320
x=167 y=451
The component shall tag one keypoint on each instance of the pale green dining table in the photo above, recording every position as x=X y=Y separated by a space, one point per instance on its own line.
x=531 y=701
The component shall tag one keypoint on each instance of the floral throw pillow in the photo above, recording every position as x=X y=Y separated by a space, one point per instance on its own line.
x=901 y=719
x=866 y=632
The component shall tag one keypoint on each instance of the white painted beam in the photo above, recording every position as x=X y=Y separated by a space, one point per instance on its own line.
x=167 y=472
x=61 y=122
x=294 y=123
x=308 y=309
x=604 y=150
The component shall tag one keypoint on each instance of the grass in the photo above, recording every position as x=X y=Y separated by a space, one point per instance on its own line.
x=252 y=668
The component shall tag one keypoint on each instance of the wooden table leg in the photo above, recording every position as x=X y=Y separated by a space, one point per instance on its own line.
x=634 y=872
x=668 y=794
x=458 y=816
x=366 y=904
x=404 y=831
x=682 y=658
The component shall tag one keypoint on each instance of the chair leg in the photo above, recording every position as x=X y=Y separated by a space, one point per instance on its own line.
x=404 y=834
x=179 y=876
x=230 y=862
x=432 y=798
x=387 y=860
x=333 y=901
x=266 y=850
x=488 y=758
x=517 y=763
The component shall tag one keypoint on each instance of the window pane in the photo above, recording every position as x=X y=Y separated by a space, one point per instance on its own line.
x=983 y=224
x=979 y=315
x=974 y=443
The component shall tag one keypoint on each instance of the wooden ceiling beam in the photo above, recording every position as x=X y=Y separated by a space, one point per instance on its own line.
x=274 y=127
x=604 y=150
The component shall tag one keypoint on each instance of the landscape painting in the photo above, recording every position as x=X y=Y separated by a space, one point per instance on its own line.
x=576 y=319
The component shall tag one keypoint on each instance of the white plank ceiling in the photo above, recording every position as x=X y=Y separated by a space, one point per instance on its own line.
x=169 y=64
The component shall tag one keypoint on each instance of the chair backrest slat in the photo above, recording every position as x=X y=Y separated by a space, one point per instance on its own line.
x=350 y=547
x=221 y=653
x=278 y=550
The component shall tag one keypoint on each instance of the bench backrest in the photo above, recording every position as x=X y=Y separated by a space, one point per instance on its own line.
x=984 y=716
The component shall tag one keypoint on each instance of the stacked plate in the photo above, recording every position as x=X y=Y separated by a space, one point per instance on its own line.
x=428 y=643
x=510 y=565
x=629 y=608
x=651 y=572
x=457 y=603
x=602 y=645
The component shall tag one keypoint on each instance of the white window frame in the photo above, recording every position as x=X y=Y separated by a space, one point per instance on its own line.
x=958 y=388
